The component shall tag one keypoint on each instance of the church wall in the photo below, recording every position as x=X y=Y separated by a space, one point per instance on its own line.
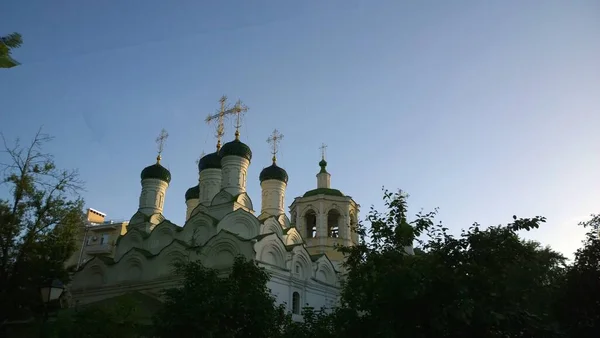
x=311 y=292
x=234 y=171
x=322 y=205
x=219 y=231
x=152 y=197
x=273 y=197
x=323 y=180
x=190 y=204
x=280 y=289
x=210 y=184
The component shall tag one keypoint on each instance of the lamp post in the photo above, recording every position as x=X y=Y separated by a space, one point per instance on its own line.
x=50 y=292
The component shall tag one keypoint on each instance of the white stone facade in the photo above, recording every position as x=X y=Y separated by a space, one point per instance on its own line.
x=221 y=225
x=273 y=197
x=234 y=172
x=210 y=184
x=323 y=180
x=325 y=220
x=152 y=198
x=190 y=205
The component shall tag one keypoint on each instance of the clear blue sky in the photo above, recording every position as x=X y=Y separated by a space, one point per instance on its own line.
x=483 y=109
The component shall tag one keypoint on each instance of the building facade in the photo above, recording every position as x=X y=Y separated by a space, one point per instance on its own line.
x=222 y=223
x=98 y=236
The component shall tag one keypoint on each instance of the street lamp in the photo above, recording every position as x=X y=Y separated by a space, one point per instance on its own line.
x=50 y=292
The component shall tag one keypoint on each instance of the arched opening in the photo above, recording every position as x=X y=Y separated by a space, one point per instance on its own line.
x=293 y=217
x=333 y=219
x=296 y=303
x=311 y=224
x=353 y=227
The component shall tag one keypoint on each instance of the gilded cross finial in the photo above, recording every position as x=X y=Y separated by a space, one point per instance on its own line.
x=323 y=147
x=274 y=140
x=239 y=109
x=160 y=140
x=219 y=117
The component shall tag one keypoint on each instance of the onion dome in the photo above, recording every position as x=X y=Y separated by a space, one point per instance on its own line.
x=273 y=172
x=323 y=164
x=210 y=161
x=192 y=193
x=324 y=191
x=236 y=148
x=156 y=171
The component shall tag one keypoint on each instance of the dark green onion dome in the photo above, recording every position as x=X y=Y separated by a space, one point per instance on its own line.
x=324 y=191
x=192 y=193
x=273 y=172
x=210 y=161
x=156 y=171
x=236 y=148
x=323 y=164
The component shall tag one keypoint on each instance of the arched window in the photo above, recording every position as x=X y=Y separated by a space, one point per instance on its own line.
x=161 y=199
x=311 y=224
x=353 y=228
x=333 y=218
x=296 y=303
x=293 y=217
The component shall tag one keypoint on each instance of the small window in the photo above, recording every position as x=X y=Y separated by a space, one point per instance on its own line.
x=104 y=239
x=333 y=219
x=311 y=224
x=298 y=268
x=296 y=303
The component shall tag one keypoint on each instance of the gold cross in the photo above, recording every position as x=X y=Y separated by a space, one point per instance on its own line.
x=238 y=109
x=219 y=116
x=160 y=140
x=274 y=140
x=323 y=147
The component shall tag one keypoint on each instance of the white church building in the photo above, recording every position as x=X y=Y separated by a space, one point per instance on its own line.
x=221 y=222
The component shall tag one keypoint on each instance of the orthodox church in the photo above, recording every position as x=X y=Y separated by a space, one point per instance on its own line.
x=221 y=223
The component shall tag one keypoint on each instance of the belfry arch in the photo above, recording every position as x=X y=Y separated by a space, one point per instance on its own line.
x=333 y=223
x=310 y=222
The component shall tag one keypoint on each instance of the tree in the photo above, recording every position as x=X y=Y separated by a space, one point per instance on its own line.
x=485 y=283
x=119 y=319
x=38 y=224
x=210 y=305
x=579 y=303
x=7 y=43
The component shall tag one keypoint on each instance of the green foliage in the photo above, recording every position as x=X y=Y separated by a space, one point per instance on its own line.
x=484 y=283
x=38 y=224
x=579 y=303
x=119 y=320
x=315 y=324
x=210 y=305
x=7 y=43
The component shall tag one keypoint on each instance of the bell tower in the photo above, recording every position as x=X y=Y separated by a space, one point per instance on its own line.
x=325 y=217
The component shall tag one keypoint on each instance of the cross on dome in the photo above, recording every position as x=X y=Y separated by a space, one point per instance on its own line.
x=160 y=141
x=219 y=116
x=238 y=109
x=274 y=140
x=323 y=148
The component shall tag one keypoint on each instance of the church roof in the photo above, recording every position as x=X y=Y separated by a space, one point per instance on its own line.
x=323 y=165
x=273 y=172
x=156 y=171
x=236 y=148
x=210 y=161
x=324 y=191
x=316 y=257
x=192 y=193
